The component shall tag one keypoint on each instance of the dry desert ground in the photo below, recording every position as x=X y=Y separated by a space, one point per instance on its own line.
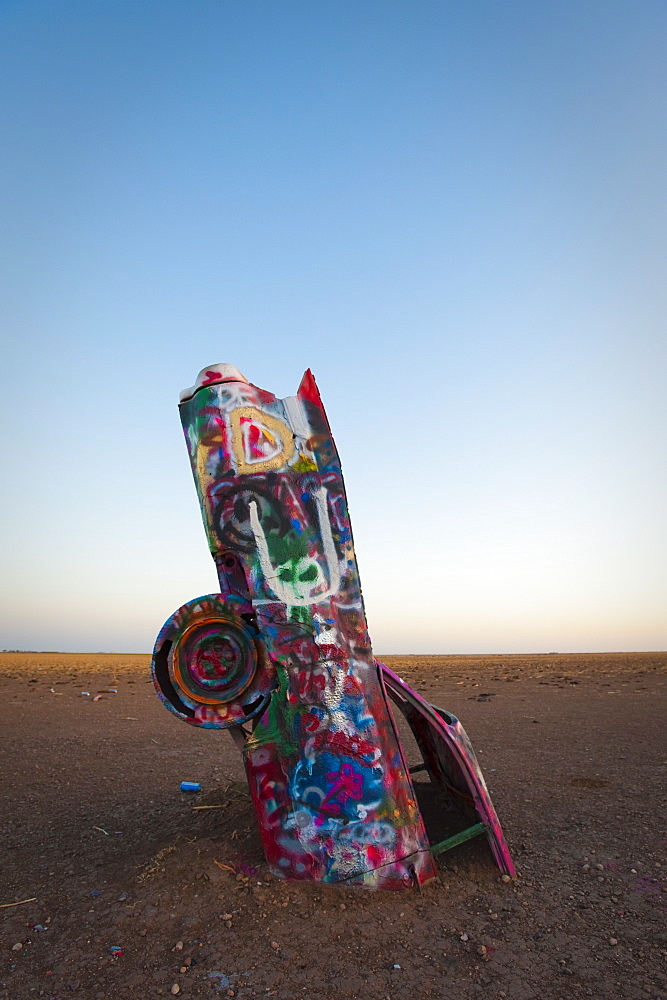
x=133 y=893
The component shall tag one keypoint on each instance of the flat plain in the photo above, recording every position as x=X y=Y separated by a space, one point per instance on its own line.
x=134 y=893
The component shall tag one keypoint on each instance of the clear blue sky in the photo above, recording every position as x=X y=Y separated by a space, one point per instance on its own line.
x=455 y=214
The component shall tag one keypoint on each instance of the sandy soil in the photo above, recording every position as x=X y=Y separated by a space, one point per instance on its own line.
x=116 y=857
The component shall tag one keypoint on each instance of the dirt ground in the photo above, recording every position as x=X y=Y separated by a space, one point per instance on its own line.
x=134 y=893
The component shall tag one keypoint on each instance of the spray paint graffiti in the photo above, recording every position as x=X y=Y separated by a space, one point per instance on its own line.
x=284 y=646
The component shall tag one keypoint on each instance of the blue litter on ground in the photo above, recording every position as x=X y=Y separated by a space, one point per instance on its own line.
x=190 y=786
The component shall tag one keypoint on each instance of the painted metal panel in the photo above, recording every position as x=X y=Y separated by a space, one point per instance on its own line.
x=286 y=644
x=450 y=761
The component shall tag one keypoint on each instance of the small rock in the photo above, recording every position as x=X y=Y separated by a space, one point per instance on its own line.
x=225 y=916
x=187 y=962
x=143 y=932
x=396 y=966
x=17 y=946
x=613 y=941
x=505 y=878
x=183 y=968
x=274 y=944
x=175 y=990
x=586 y=868
x=600 y=868
x=464 y=937
x=481 y=950
x=343 y=906
x=178 y=946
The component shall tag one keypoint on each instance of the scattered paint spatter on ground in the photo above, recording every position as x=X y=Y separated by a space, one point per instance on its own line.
x=284 y=646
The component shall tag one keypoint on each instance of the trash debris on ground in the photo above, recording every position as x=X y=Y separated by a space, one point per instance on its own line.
x=19 y=902
x=222 y=980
